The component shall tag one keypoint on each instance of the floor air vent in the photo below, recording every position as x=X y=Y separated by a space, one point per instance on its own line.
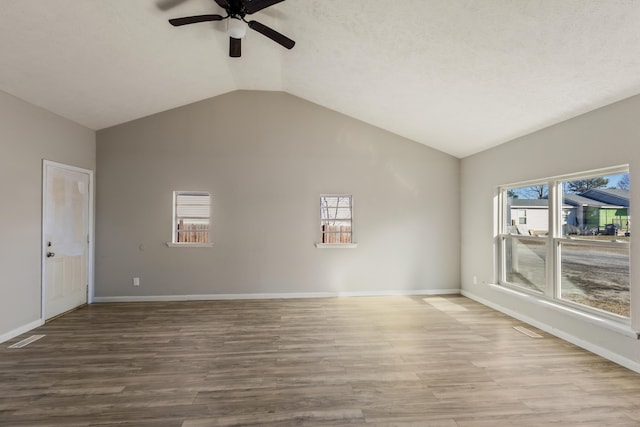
x=527 y=332
x=25 y=342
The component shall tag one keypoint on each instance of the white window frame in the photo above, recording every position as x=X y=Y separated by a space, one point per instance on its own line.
x=174 y=222
x=322 y=245
x=554 y=241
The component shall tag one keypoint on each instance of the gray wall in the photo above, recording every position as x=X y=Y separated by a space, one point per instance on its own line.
x=266 y=157
x=606 y=137
x=28 y=135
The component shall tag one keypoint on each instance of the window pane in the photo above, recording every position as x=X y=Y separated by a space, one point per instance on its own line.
x=191 y=205
x=596 y=206
x=597 y=277
x=526 y=211
x=335 y=207
x=525 y=263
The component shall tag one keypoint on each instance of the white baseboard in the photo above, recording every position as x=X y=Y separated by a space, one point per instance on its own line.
x=287 y=295
x=593 y=348
x=21 y=330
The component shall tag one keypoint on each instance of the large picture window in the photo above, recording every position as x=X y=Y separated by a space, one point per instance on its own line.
x=568 y=239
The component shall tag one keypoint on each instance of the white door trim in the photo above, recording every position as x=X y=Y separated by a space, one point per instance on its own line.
x=43 y=247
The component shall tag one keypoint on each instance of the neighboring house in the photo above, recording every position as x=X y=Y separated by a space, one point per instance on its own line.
x=529 y=215
x=576 y=208
x=618 y=212
x=594 y=211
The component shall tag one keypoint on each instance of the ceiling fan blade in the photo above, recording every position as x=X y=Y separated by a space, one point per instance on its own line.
x=252 y=6
x=223 y=3
x=235 y=47
x=193 y=19
x=272 y=34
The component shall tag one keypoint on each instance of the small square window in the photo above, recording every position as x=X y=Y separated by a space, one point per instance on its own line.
x=336 y=219
x=191 y=217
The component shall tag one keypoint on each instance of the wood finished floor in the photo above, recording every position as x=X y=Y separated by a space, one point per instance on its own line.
x=379 y=361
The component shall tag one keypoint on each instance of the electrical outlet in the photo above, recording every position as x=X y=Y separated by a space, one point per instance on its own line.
x=475 y=280
x=136 y=281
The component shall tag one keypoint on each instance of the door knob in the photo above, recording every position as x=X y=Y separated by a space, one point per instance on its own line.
x=50 y=254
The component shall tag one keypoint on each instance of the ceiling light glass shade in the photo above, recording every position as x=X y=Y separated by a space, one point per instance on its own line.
x=236 y=28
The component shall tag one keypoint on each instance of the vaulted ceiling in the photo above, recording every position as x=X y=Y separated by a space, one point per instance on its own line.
x=457 y=75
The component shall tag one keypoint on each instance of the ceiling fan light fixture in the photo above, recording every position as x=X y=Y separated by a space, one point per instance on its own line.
x=236 y=28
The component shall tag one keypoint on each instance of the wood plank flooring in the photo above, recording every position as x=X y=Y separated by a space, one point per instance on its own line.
x=378 y=361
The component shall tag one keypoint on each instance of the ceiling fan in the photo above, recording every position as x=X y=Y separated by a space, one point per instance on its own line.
x=236 y=12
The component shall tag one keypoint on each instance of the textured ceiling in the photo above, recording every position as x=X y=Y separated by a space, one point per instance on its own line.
x=459 y=76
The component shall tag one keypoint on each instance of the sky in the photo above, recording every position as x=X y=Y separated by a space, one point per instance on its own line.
x=529 y=192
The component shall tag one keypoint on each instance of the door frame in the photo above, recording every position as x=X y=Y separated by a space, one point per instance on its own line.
x=43 y=247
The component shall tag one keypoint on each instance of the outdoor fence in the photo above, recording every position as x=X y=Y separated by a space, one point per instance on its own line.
x=193 y=233
x=336 y=234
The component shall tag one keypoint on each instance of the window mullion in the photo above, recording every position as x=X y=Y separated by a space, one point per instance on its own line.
x=550 y=259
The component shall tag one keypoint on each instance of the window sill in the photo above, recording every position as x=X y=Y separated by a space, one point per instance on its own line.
x=189 y=245
x=336 y=245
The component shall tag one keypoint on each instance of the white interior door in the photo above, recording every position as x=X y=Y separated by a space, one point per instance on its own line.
x=65 y=238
